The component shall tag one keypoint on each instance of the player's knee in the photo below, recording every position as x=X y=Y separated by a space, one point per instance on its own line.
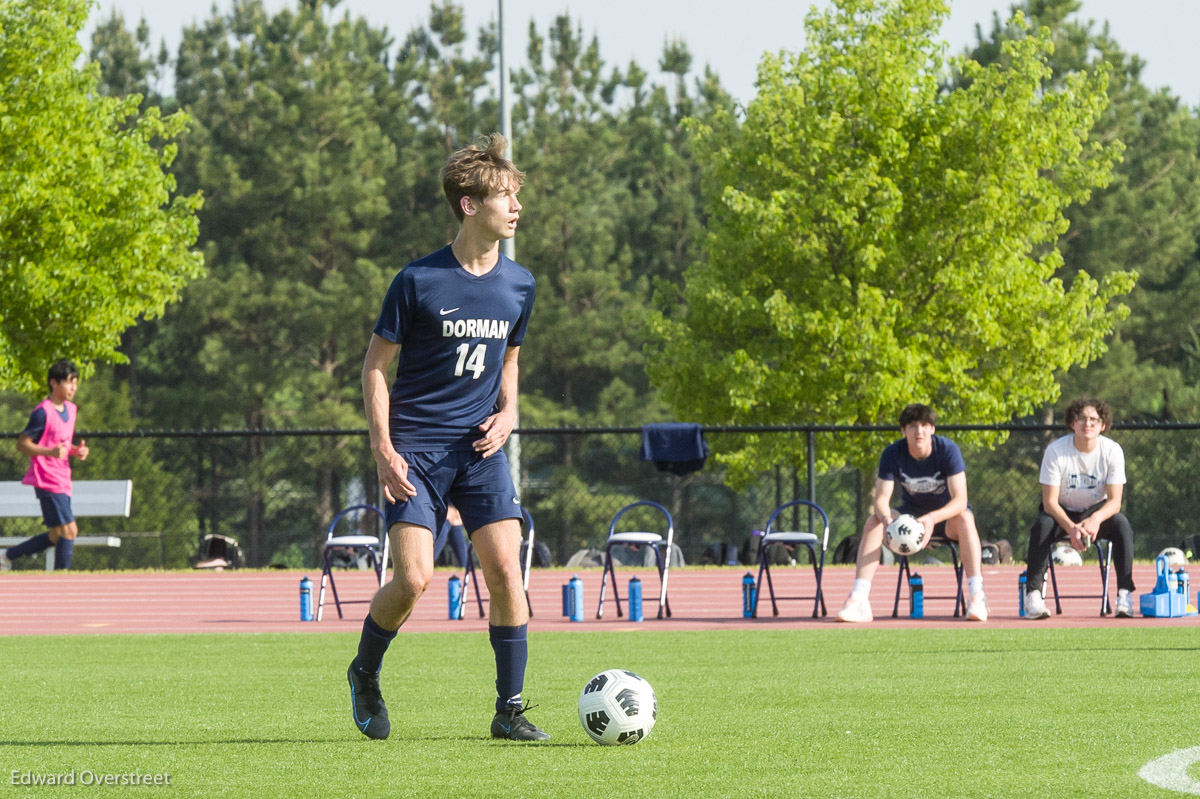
x=410 y=583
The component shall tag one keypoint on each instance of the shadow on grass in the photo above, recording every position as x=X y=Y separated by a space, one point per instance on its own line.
x=291 y=741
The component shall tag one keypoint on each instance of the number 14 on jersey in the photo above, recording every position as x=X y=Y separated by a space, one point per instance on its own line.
x=473 y=362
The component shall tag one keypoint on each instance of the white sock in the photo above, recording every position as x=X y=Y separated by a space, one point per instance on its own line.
x=861 y=589
x=974 y=585
x=1122 y=593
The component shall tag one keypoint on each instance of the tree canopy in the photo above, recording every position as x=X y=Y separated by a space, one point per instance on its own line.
x=93 y=235
x=877 y=237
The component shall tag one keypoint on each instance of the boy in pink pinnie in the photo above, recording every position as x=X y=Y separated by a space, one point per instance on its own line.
x=47 y=440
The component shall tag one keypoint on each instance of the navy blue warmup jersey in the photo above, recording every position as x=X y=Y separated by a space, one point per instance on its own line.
x=453 y=329
x=922 y=482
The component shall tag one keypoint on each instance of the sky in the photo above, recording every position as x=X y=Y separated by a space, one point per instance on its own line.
x=731 y=35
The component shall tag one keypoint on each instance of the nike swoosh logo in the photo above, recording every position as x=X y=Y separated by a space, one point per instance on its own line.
x=504 y=726
x=516 y=501
x=362 y=725
x=443 y=311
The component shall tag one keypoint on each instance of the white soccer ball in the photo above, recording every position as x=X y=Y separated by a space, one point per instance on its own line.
x=617 y=707
x=1174 y=556
x=905 y=535
x=1066 y=555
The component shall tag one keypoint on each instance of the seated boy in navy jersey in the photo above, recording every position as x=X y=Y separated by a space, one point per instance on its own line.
x=933 y=488
x=47 y=441
x=456 y=319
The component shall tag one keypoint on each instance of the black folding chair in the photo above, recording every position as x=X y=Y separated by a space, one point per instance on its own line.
x=1104 y=550
x=370 y=545
x=795 y=539
x=660 y=544
x=470 y=580
x=936 y=540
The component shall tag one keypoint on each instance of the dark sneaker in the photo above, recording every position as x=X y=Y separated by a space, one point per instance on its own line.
x=511 y=723
x=370 y=714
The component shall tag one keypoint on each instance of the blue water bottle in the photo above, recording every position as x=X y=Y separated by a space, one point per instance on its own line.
x=748 y=596
x=306 y=606
x=1184 y=584
x=635 y=598
x=916 y=596
x=454 y=592
x=1021 y=583
x=575 y=598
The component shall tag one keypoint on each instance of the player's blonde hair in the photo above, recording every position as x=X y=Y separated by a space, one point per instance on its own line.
x=477 y=170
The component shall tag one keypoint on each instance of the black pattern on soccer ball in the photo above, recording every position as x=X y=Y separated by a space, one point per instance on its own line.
x=597 y=722
x=628 y=700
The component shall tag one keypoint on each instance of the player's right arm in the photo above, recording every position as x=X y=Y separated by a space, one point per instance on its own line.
x=391 y=468
x=883 y=500
x=28 y=438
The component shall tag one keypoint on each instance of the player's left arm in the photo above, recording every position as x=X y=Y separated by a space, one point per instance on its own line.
x=497 y=427
x=956 y=485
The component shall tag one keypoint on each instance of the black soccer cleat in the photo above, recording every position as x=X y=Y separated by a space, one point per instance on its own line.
x=512 y=725
x=370 y=713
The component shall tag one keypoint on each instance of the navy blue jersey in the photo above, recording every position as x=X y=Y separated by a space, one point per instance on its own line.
x=922 y=482
x=453 y=329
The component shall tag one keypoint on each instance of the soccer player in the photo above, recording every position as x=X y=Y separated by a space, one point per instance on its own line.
x=933 y=488
x=1083 y=479
x=457 y=318
x=47 y=441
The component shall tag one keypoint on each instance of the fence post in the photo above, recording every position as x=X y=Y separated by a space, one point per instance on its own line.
x=812 y=476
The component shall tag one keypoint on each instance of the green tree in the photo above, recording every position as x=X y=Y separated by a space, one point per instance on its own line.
x=1146 y=219
x=876 y=239
x=93 y=235
x=288 y=145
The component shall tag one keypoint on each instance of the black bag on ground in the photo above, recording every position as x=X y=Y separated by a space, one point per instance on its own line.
x=847 y=549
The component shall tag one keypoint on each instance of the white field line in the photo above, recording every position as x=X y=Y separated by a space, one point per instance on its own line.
x=1170 y=771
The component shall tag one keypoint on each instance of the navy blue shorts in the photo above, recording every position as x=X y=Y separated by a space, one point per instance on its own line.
x=56 y=508
x=481 y=488
x=939 y=529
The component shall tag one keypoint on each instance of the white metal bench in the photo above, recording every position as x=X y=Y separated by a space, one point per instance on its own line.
x=88 y=498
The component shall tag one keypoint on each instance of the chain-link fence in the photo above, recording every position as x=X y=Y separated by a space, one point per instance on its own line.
x=275 y=491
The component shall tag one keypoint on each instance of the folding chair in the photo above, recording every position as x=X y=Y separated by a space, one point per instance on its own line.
x=936 y=540
x=662 y=555
x=471 y=581
x=376 y=552
x=796 y=539
x=1104 y=550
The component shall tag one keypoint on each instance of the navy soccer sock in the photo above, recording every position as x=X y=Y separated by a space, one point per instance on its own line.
x=372 y=645
x=511 y=646
x=39 y=543
x=63 y=551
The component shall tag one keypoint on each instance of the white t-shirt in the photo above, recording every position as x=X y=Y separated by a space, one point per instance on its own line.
x=1082 y=476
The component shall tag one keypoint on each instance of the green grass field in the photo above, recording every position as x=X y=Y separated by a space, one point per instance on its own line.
x=837 y=713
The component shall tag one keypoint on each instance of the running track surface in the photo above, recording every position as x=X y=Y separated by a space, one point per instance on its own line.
x=35 y=603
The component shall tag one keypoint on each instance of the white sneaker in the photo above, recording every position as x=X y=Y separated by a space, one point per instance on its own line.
x=855 y=611
x=977 y=608
x=1124 y=605
x=5 y=563
x=1035 y=606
